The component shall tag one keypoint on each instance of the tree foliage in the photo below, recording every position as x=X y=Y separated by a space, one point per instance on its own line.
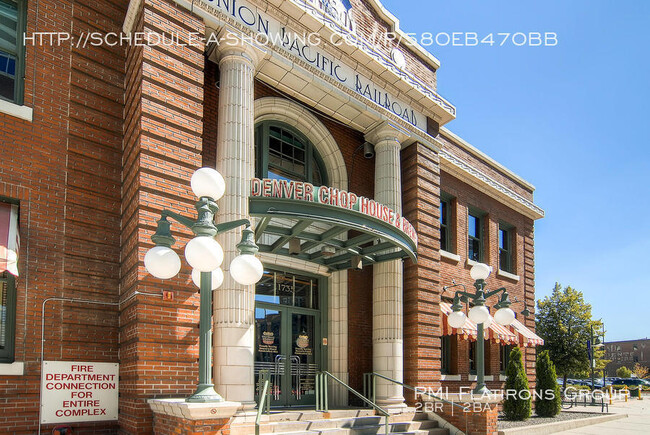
x=516 y=406
x=563 y=320
x=623 y=372
x=548 y=401
x=640 y=371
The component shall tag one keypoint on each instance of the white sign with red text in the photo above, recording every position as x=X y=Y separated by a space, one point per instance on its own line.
x=79 y=391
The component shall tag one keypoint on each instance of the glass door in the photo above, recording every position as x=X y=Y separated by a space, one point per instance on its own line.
x=288 y=338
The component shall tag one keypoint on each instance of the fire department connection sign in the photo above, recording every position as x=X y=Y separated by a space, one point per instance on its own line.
x=78 y=391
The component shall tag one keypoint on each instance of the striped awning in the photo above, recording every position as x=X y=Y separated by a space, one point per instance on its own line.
x=495 y=331
x=526 y=336
x=9 y=238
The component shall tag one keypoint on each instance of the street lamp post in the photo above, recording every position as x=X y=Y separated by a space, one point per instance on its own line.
x=205 y=255
x=480 y=315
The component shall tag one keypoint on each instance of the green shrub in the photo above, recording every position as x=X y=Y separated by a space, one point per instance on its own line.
x=516 y=406
x=548 y=401
x=623 y=372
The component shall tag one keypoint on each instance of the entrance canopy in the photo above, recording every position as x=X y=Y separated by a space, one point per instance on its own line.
x=328 y=226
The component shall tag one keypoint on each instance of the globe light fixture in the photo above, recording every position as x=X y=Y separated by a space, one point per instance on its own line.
x=480 y=315
x=246 y=269
x=217 y=278
x=480 y=271
x=162 y=262
x=504 y=316
x=208 y=182
x=488 y=323
x=456 y=319
x=205 y=255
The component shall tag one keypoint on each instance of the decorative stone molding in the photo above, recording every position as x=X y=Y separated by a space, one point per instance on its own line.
x=297 y=116
x=466 y=172
x=508 y=275
x=22 y=112
x=450 y=256
x=13 y=369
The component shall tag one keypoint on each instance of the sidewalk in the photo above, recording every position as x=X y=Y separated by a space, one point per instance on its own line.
x=637 y=422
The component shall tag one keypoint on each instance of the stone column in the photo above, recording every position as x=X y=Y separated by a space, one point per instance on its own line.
x=387 y=314
x=234 y=304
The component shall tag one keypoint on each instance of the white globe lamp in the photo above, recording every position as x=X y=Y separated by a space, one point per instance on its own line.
x=208 y=182
x=217 y=278
x=478 y=314
x=488 y=322
x=480 y=271
x=456 y=319
x=246 y=269
x=162 y=262
x=204 y=253
x=504 y=316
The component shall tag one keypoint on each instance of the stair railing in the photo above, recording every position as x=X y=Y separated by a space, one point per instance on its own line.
x=369 y=388
x=322 y=402
x=265 y=400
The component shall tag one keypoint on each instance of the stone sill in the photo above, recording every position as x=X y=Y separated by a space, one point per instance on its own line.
x=508 y=275
x=472 y=378
x=22 y=112
x=13 y=369
x=450 y=256
x=450 y=377
x=194 y=411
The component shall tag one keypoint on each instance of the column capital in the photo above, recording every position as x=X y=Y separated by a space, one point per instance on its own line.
x=386 y=132
x=231 y=45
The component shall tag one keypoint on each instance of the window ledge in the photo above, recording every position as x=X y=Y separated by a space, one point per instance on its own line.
x=450 y=256
x=22 y=112
x=450 y=377
x=504 y=274
x=502 y=377
x=474 y=263
x=13 y=369
x=485 y=378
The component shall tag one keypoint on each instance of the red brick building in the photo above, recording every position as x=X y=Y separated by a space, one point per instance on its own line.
x=101 y=132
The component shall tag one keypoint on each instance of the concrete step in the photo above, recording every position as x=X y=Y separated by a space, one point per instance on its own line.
x=340 y=422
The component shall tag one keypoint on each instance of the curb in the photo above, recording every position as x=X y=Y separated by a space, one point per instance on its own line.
x=559 y=426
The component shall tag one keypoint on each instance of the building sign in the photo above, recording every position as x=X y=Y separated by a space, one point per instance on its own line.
x=303 y=191
x=307 y=48
x=79 y=391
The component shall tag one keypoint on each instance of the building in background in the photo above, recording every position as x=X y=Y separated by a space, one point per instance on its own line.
x=98 y=138
x=626 y=354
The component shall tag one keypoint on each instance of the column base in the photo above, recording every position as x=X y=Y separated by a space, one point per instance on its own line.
x=176 y=416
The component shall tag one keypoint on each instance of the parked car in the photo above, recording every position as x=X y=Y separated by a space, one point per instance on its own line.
x=632 y=382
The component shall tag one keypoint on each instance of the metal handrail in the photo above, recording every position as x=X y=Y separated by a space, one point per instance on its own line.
x=322 y=399
x=264 y=403
x=373 y=375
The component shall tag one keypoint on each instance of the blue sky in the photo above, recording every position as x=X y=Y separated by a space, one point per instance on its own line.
x=574 y=121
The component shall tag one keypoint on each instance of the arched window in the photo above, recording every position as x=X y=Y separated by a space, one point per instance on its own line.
x=282 y=152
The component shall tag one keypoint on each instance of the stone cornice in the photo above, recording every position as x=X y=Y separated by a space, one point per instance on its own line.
x=465 y=172
x=379 y=57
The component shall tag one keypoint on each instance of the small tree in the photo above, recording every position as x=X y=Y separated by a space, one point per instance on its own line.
x=563 y=320
x=517 y=403
x=623 y=372
x=640 y=371
x=547 y=399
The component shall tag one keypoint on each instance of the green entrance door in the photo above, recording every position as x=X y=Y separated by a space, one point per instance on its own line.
x=288 y=336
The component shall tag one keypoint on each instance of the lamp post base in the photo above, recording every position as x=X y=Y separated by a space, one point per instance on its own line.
x=481 y=390
x=205 y=393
